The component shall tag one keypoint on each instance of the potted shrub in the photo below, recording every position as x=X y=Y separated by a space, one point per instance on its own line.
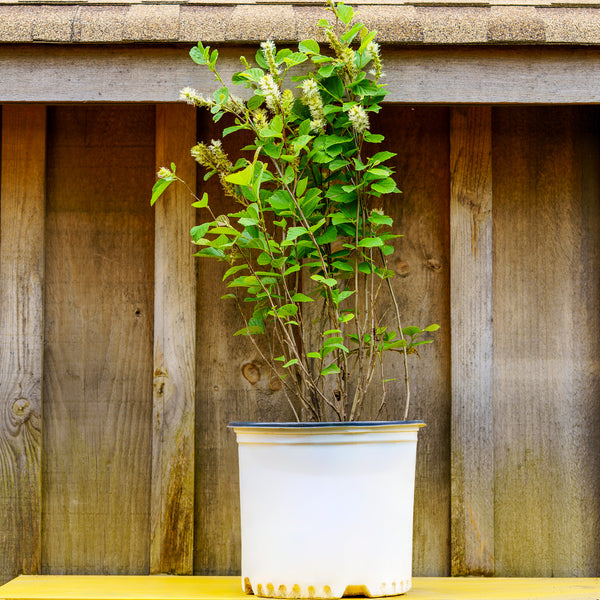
x=326 y=502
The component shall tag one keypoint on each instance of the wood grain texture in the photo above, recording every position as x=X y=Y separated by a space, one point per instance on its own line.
x=73 y=587
x=419 y=136
x=98 y=328
x=472 y=341
x=233 y=384
x=546 y=343
x=22 y=197
x=172 y=500
x=427 y=74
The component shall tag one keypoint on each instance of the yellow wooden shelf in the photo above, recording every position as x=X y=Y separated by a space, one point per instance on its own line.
x=170 y=587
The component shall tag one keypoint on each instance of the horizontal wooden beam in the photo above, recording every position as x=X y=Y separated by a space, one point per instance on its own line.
x=426 y=74
x=72 y=587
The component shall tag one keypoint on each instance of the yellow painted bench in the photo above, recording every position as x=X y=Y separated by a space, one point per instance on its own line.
x=171 y=587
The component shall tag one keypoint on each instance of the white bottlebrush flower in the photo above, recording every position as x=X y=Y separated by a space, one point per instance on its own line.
x=347 y=56
x=270 y=91
x=310 y=88
x=191 y=96
x=269 y=50
x=164 y=173
x=312 y=98
x=359 y=118
x=318 y=125
x=374 y=50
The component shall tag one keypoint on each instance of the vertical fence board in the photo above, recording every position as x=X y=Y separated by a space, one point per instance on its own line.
x=172 y=503
x=98 y=330
x=472 y=341
x=546 y=342
x=233 y=384
x=419 y=136
x=22 y=193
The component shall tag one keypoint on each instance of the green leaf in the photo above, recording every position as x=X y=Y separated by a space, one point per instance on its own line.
x=294 y=233
x=243 y=177
x=381 y=157
x=309 y=47
x=411 y=331
x=267 y=132
x=289 y=363
x=351 y=34
x=248 y=331
x=326 y=70
x=282 y=54
x=433 y=327
x=345 y=13
x=366 y=40
x=330 y=370
x=332 y=331
x=292 y=269
x=325 y=281
x=263 y=259
x=255 y=102
x=233 y=271
x=197 y=54
x=385 y=186
x=260 y=60
x=202 y=203
x=345 y=294
x=379 y=219
x=277 y=123
x=342 y=265
x=159 y=188
x=329 y=236
x=221 y=95
x=295 y=58
x=421 y=342
x=300 y=297
x=233 y=128
x=370 y=242
x=199 y=231
x=287 y=310
x=373 y=138
x=301 y=187
x=301 y=142
x=213 y=58
x=313 y=355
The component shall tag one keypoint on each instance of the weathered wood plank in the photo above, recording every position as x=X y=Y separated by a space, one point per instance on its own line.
x=172 y=502
x=472 y=341
x=546 y=343
x=22 y=197
x=422 y=284
x=98 y=353
x=233 y=384
x=428 y=74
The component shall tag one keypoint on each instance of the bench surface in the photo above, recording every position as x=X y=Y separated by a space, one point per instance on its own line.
x=172 y=587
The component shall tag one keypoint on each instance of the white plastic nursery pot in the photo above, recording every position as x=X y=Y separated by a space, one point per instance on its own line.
x=327 y=508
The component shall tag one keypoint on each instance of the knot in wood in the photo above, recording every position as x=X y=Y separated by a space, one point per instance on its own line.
x=402 y=268
x=161 y=383
x=21 y=409
x=250 y=372
x=434 y=265
x=275 y=383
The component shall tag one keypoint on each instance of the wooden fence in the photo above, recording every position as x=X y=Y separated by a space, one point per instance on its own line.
x=118 y=373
